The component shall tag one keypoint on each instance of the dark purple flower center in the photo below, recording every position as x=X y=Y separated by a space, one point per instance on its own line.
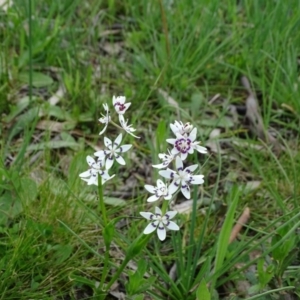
x=121 y=106
x=183 y=145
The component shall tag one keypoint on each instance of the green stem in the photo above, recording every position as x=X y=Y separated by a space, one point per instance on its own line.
x=101 y=200
x=105 y=268
x=118 y=273
x=30 y=48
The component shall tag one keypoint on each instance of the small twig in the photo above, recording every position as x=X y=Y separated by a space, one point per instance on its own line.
x=243 y=219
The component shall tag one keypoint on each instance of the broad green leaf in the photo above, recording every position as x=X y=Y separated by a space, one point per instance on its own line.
x=38 y=79
x=202 y=292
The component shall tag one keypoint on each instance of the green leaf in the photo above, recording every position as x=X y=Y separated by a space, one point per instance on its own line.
x=62 y=252
x=108 y=233
x=24 y=120
x=224 y=236
x=202 y=292
x=114 y=201
x=38 y=79
x=10 y=207
x=224 y=122
x=29 y=189
x=54 y=145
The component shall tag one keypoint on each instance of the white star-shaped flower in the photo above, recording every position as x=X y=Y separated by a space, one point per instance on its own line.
x=185 y=145
x=180 y=128
x=96 y=169
x=127 y=128
x=166 y=160
x=160 y=191
x=105 y=118
x=120 y=105
x=183 y=178
x=113 y=151
x=160 y=222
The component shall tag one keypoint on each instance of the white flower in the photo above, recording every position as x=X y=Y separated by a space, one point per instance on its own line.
x=185 y=145
x=120 y=105
x=127 y=128
x=160 y=222
x=96 y=168
x=166 y=158
x=105 y=119
x=113 y=152
x=180 y=128
x=160 y=191
x=183 y=177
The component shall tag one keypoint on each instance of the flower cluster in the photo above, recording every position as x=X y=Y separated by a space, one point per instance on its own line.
x=114 y=151
x=183 y=144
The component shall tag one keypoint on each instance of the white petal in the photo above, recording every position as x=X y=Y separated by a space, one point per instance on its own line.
x=150 y=228
x=105 y=106
x=121 y=99
x=161 y=232
x=183 y=156
x=166 y=173
x=146 y=215
x=118 y=140
x=103 y=130
x=191 y=168
x=85 y=174
x=193 y=134
x=150 y=188
x=120 y=160
x=160 y=166
x=109 y=162
x=173 y=128
x=186 y=191
x=122 y=120
x=152 y=198
x=175 y=151
x=172 y=226
x=200 y=149
x=160 y=183
x=90 y=160
x=157 y=211
x=174 y=186
x=100 y=154
x=107 y=141
x=179 y=164
x=197 y=179
x=169 y=196
x=107 y=178
x=171 y=141
x=171 y=214
x=125 y=148
x=93 y=180
x=114 y=100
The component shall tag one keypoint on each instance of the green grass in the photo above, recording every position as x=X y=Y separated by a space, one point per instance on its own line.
x=84 y=52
